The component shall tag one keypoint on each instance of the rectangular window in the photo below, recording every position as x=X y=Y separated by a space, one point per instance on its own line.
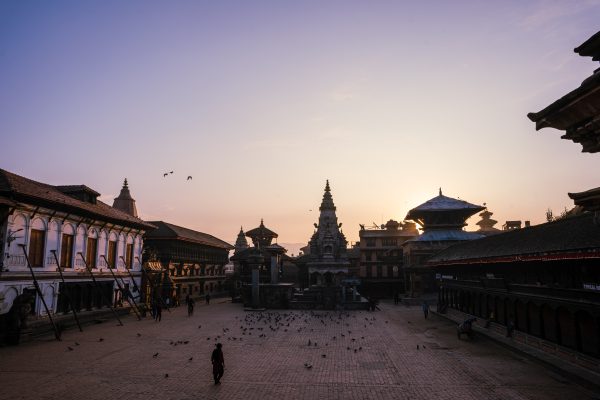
x=90 y=254
x=129 y=256
x=66 y=251
x=371 y=242
x=112 y=254
x=36 y=248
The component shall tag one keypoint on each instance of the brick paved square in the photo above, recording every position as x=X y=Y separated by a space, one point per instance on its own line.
x=390 y=354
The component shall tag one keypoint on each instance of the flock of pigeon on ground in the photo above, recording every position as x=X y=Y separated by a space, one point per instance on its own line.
x=303 y=324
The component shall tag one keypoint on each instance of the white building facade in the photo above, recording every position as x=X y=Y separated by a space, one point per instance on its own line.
x=65 y=227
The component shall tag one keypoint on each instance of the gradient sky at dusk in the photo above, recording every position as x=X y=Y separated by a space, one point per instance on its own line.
x=261 y=102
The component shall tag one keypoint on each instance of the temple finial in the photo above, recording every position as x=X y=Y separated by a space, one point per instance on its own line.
x=327 y=189
x=125 y=183
x=440 y=191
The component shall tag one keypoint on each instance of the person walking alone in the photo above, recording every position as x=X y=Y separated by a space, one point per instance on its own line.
x=207 y=298
x=218 y=362
x=158 y=315
x=425 y=307
x=190 y=306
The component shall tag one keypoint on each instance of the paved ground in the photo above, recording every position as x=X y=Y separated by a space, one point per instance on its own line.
x=382 y=362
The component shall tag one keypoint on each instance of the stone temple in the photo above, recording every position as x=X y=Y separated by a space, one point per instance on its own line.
x=328 y=258
x=326 y=264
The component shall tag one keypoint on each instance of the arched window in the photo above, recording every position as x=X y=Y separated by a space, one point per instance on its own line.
x=37 y=241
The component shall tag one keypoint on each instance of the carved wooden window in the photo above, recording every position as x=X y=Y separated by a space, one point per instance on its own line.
x=129 y=256
x=36 y=248
x=66 y=251
x=91 y=252
x=112 y=253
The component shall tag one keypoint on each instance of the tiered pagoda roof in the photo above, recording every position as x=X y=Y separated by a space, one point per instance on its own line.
x=486 y=224
x=261 y=236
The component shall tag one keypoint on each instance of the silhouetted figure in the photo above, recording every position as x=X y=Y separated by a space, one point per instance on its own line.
x=158 y=315
x=510 y=327
x=425 y=307
x=207 y=297
x=396 y=298
x=218 y=362
x=190 y=306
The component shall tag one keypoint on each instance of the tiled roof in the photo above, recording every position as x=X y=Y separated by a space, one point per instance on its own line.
x=445 y=203
x=568 y=235
x=169 y=231
x=443 y=235
x=20 y=189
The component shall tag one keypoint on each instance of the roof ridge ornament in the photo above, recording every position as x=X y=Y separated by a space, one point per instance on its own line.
x=440 y=191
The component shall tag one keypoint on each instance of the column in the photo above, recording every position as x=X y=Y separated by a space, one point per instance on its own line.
x=255 y=287
x=274 y=269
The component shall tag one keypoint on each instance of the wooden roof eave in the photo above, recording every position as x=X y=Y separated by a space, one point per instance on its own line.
x=74 y=210
x=562 y=114
x=573 y=255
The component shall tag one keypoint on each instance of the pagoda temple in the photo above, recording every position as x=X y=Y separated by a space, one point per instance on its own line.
x=486 y=224
x=328 y=256
x=442 y=220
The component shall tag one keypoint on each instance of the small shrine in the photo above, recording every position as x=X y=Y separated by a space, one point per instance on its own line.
x=257 y=269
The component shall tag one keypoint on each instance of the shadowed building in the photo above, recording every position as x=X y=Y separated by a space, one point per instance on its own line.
x=544 y=279
x=442 y=219
x=192 y=261
x=381 y=258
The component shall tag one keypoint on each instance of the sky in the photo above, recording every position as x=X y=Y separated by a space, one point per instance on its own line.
x=262 y=101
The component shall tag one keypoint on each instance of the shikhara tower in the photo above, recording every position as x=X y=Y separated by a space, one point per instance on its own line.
x=328 y=246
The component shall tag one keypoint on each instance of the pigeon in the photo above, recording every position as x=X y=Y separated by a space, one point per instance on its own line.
x=417 y=347
x=324 y=355
x=165 y=175
x=70 y=348
x=189 y=178
x=166 y=375
x=199 y=326
x=155 y=355
x=139 y=335
x=307 y=365
x=191 y=358
x=101 y=339
x=171 y=172
x=76 y=344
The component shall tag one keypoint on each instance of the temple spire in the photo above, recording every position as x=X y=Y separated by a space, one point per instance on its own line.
x=327 y=203
x=125 y=202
